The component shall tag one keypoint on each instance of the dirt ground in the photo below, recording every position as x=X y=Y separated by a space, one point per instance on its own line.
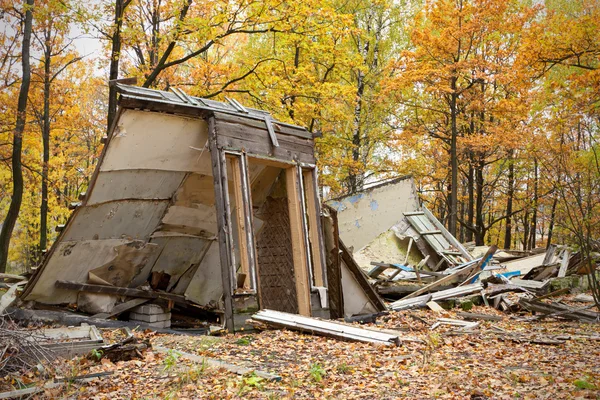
x=505 y=359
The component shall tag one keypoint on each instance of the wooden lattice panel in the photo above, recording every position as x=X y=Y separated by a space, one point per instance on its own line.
x=275 y=260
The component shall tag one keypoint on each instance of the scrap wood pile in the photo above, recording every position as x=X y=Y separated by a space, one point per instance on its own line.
x=505 y=280
x=20 y=350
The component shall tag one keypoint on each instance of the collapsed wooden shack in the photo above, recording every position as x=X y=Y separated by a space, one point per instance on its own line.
x=213 y=205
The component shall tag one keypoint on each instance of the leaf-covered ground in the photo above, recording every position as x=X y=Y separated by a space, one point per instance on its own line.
x=497 y=360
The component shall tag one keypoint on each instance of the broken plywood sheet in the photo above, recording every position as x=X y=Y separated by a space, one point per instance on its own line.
x=120 y=270
x=74 y=260
x=523 y=265
x=179 y=255
x=355 y=300
x=158 y=141
x=131 y=219
x=359 y=296
x=135 y=184
x=365 y=215
x=206 y=286
x=195 y=189
x=199 y=220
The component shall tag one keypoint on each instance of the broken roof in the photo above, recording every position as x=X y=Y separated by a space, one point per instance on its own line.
x=180 y=102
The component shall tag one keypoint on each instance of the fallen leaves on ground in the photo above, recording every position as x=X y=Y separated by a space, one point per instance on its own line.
x=445 y=363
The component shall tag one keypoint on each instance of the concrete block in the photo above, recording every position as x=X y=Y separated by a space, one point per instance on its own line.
x=150 y=318
x=148 y=309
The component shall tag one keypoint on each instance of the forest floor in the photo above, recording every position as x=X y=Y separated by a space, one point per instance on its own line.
x=497 y=360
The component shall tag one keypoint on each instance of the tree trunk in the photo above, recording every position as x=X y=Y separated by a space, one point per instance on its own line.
x=479 y=222
x=115 y=55
x=17 y=173
x=355 y=178
x=45 y=140
x=452 y=212
x=533 y=230
x=525 y=239
x=509 y=201
x=551 y=225
x=471 y=205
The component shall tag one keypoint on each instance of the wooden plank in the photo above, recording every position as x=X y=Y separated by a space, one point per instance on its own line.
x=325 y=328
x=220 y=184
x=476 y=316
x=279 y=127
x=264 y=148
x=236 y=369
x=298 y=241
x=123 y=291
x=12 y=277
x=240 y=214
x=121 y=308
x=431 y=233
x=314 y=226
x=331 y=237
x=451 y=239
x=433 y=306
x=406 y=302
x=564 y=264
x=249 y=216
x=261 y=137
x=444 y=281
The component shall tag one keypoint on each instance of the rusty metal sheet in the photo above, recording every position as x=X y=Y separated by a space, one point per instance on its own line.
x=134 y=184
x=74 y=260
x=130 y=219
x=157 y=141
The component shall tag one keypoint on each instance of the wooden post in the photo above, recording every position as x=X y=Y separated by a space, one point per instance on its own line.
x=314 y=226
x=236 y=170
x=298 y=240
x=219 y=171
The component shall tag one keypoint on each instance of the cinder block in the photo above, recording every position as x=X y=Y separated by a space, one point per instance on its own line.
x=150 y=318
x=148 y=309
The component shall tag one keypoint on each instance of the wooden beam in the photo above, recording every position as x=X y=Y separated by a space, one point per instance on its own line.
x=249 y=217
x=240 y=214
x=298 y=241
x=314 y=226
x=329 y=224
x=220 y=183
x=123 y=291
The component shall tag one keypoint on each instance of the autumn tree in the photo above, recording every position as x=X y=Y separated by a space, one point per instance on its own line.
x=461 y=87
x=17 y=144
x=52 y=25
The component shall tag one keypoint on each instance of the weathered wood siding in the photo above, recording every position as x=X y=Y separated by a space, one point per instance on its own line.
x=251 y=136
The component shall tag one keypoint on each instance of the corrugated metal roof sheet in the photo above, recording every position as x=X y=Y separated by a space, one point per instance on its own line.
x=178 y=97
